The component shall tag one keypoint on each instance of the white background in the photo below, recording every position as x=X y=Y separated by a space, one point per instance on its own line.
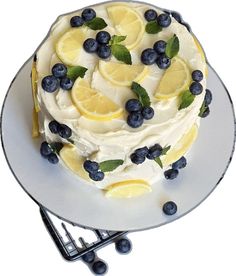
x=201 y=243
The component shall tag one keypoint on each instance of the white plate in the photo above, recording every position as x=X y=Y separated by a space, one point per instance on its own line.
x=62 y=194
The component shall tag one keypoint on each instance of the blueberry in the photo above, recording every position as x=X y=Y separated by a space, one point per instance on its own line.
x=187 y=26
x=45 y=149
x=89 y=257
x=179 y=164
x=66 y=83
x=52 y=158
x=123 y=246
x=133 y=105
x=208 y=97
x=171 y=174
x=96 y=176
x=177 y=16
x=90 y=45
x=103 y=37
x=163 y=62
x=150 y=15
x=91 y=166
x=88 y=14
x=57 y=146
x=149 y=56
x=104 y=51
x=196 y=88
x=54 y=126
x=164 y=20
x=99 y=268
x=206 y=112
x=64 y=131
x=137 y=159
x=148 y=113
x=59 y=70
x=169 y=208
x=197 y=75
x=154 y=151
x=160 y=46
x=135 y=119
x=76 y=21
x=142 y=152
x=50 y=84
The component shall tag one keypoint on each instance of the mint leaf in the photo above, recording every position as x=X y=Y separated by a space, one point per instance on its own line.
x=165 y=150
x=110 y=165
x=141 y=94
x=75 y=72
x=115 y=39
x=158 y=160
x=202 y=109
x=172 y=46
x=186 y=99
x=121 y=53
x=96 y=24
x=152 y=27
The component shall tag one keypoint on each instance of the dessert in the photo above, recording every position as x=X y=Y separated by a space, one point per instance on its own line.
x=119 y=89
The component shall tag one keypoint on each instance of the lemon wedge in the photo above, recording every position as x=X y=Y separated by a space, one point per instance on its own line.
x=93 y=104
x=69 y=45
x=182 y=146
x=175 y=80
x=73 y=160
x=199 y=46
x=35 y=124
x=34 y=86
x=122 y=74
x=127 y=22
x=128 y=189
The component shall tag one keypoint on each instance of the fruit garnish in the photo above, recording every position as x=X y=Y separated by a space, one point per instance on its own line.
x=34 y=86
x=150 y=15
x=35 y=124
x=169 y=208
x=197 y=75
x=171 y=174
x=149 y=56
x=196 y=88
x=164 y=20
x=201 y=51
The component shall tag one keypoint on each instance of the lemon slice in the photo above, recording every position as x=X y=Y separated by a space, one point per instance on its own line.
x=122 y=74
x=181 y=147
x=34 y=86
x=128 y=189
x=35 y=124
x=93 y=104
x=127 y=22
x=199 y=46
x=73 y=160
x=69 y=45
x=175 y=80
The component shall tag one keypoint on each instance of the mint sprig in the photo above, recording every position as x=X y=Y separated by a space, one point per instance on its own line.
x=115 y=39
x=76 y=71
x=172 y=46
x=202 y=109
x=164 y=152
x=186 y=99
x=110 y=165
x=141 y=93
x=120 y=52
x=152 y=27
x=96 y=24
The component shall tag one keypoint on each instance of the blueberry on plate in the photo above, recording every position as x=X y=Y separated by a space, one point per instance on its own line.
x=90 y=45
x=96 y=176
x=76 y=21
x=99 y=268
x=54 y=126
x=149 y=56
x=177 y=16
x=52 y=158
x=196 y=88
x=142 y=152
x=171 y=174
x=91 y=166
x=197 y=75
x=148 y=112
x=45 y=149
x=133 y=105
x=135 y=119
x=163 y=62
x=64 y=131
x=160 y=46
x=123 y=246
x=206 y=112
x=179 y=164
x=103 y=37
x=208 y=97
x=66 y=83
x=150 y=15
x=104 y=51
x=88 y=14
x=154 y=152
x=137 y=159
x=50 y=84
x=59 y=70
x=169 y=208
x=164 y=20
x=89 y=257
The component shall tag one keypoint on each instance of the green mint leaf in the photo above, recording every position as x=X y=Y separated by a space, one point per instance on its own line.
x=165 y=150
x=172 y=47
x=76 y=71
x=152 y=27
x=186 y=99
x=202 y=109
x=121 y=53
x=158 y=160
x=96 y=24
x=110 y=165
x=70 y=141
x=115 y=39
x=141 y=93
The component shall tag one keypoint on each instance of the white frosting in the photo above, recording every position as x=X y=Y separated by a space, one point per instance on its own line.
x=105 y=140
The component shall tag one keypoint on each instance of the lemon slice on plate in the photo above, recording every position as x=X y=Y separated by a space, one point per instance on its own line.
x=182 y=146
x=127 y=22
x=92 y=103
x=69 y=45
x=122 y=74
x=128 y=189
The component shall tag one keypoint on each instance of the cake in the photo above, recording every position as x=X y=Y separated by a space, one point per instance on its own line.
x=119 y=89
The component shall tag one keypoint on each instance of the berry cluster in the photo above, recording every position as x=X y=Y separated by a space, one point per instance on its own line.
x=92 y=168
x=163 y=20
x=139 y=155
x=47 y=152
x=87 y=15
x=62 y=130
x=196 y=87
x=176 y=166
x=206 y=103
